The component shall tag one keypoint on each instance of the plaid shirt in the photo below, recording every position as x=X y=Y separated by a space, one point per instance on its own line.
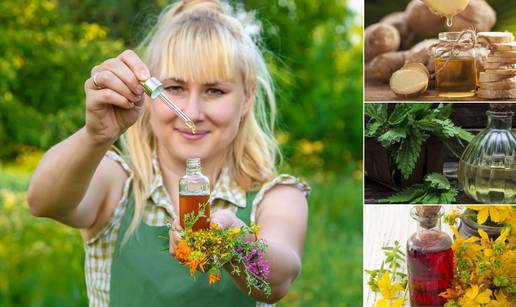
x=159 y=211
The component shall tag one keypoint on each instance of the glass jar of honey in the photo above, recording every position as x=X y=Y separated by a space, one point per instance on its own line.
x=456 y=72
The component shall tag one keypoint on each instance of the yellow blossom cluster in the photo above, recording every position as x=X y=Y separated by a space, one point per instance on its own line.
x=390 y=291
x=210 y=248
x=485 y=269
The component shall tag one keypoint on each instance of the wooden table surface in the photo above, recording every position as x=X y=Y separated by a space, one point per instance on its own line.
x=384 y=224
x=381 y=92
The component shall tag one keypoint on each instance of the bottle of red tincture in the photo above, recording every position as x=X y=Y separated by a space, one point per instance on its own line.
x=429 y=258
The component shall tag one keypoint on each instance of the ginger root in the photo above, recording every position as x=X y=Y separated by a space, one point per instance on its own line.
x=383 y=66
x=380 y=38
x=478 y=14
x=400 y=22
x=421 y=20
x=383 y=47
x=410 y=81
x=446 y=8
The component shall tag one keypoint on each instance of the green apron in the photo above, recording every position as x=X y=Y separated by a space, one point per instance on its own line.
x=142 y=274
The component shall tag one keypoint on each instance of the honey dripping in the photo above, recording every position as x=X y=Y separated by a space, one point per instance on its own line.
x=449 y=21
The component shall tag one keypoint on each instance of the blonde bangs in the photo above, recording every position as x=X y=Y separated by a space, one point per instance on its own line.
x=199 y=50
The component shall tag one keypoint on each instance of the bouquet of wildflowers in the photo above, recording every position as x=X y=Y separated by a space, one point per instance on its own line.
x=485 y=272
x=209 y=250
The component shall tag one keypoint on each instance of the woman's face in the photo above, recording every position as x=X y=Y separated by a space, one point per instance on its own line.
x=216 y=109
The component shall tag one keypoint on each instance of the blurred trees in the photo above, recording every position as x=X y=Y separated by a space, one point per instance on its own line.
x=47 y=49
x=44 y=62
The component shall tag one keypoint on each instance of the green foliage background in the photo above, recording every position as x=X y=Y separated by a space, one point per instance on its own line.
x=47 y=49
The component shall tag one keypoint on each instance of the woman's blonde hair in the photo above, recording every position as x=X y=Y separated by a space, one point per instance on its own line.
x=197 y=41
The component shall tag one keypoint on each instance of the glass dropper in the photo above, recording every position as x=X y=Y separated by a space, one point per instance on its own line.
x=154 y=89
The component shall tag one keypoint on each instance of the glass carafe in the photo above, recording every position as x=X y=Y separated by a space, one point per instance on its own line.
x=429 y=258
x=194 y=194
x=455 y=65
x=487 y=168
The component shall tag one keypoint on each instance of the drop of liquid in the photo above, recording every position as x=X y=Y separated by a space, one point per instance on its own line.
x=192 y=126
x=449 y=21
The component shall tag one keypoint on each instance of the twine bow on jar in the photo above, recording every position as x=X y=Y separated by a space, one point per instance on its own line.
x=448 y=49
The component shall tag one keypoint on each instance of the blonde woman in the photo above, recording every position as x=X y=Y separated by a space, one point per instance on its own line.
x=214 y=72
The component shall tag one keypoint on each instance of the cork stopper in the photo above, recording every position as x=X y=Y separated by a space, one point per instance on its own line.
x=427 y=216
x=500 y=107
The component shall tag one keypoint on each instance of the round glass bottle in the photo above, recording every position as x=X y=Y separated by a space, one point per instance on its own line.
x=456 y=72
x=429 y=258
x=194 y=195
x=487 y=168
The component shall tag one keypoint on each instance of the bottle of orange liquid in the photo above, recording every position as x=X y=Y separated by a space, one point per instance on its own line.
x=194 y=195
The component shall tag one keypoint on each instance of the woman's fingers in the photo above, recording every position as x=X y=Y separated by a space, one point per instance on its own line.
x=174 y=237
x=226 y=219
x=112 y=80
x=109 y=96
x=131 y=59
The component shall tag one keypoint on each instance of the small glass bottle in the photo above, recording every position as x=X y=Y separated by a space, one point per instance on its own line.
x=456 y=72
x=487 y=168
x=429 y=258
x=194 y=194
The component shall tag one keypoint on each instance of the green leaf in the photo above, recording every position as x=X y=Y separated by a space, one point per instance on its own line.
x=403 y=110
x=372 y=128
x=443 y=111
x=405 y=196
x=437 y=181
x=377 y=111
x=435 y=189
x=393 y=136
x=408 y=153
x=463 y=134
x=448 y=197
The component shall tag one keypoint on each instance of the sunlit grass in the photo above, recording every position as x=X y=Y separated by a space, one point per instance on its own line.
x=332 y=261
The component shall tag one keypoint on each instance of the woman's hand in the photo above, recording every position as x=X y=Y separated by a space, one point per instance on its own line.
x=114 y=96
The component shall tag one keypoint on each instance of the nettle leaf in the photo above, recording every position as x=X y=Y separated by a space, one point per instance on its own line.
x=464 y=135
x=402 y=111
x=377 y=111
x=393 y=136
x=443 y=111
x=371 y=129
x=435 y=189
x=444 y=128
x=408 y=153
x=437 y=181
x=448 y=197
x=405 y=196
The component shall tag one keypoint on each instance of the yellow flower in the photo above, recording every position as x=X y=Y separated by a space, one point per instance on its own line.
x=503 y=235
x=389 y=303
x=501 y=300
x=459 y=240
x=386 y=287
x=472 y=297
x=497 y=214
